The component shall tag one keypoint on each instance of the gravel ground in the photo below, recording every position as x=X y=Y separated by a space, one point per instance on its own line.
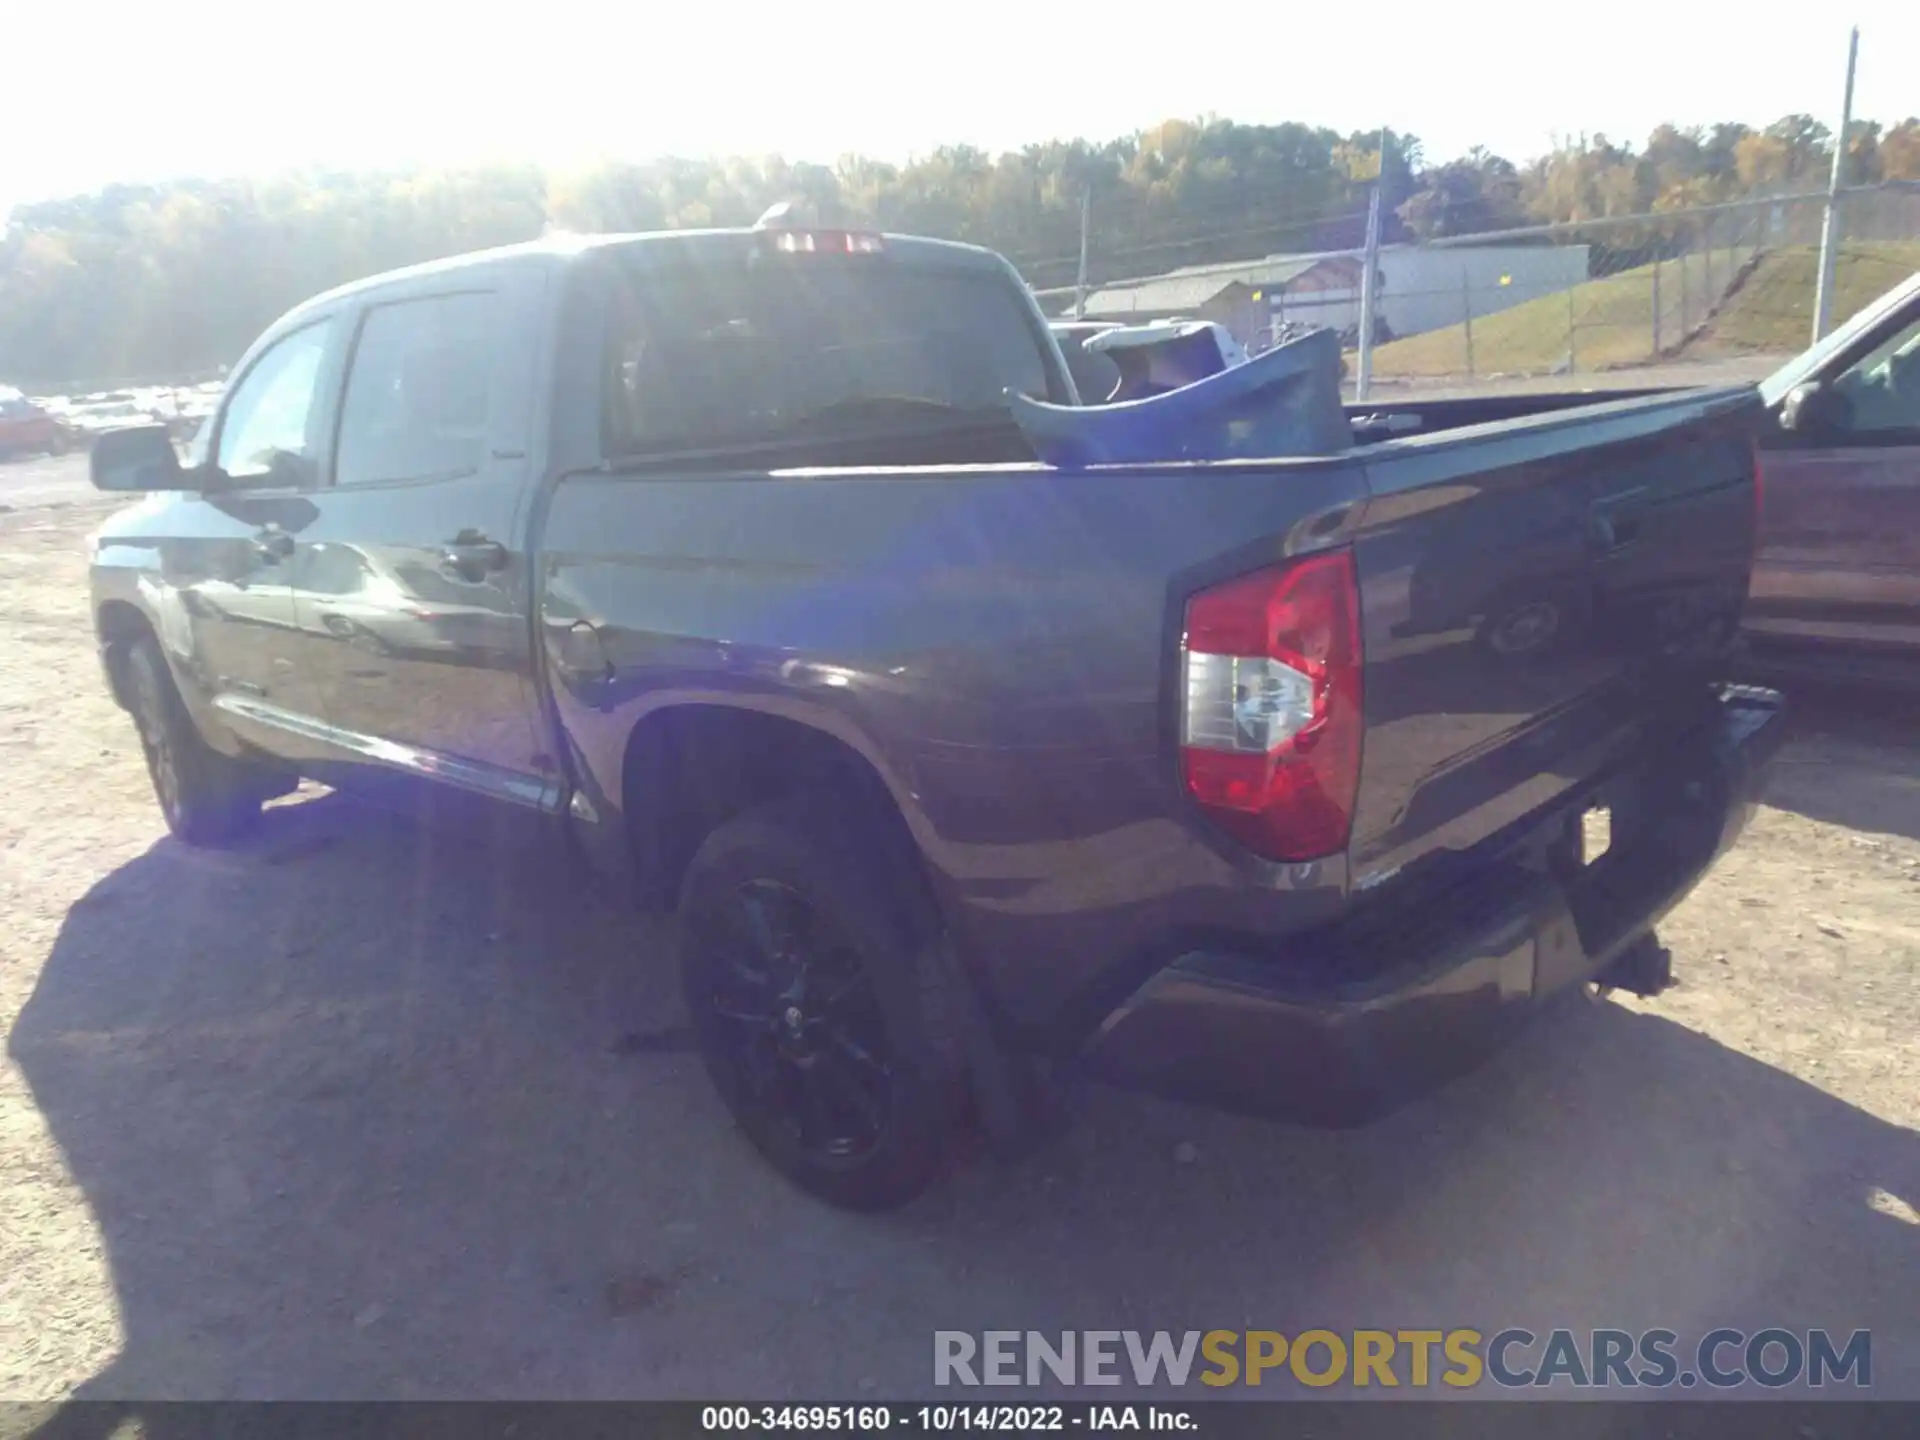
x=374 y=1108
x=45 y=480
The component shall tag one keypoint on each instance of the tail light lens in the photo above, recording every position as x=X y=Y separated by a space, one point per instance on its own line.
x=1270 y=722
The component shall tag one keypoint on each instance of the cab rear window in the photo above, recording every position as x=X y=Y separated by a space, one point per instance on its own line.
x=703 y=356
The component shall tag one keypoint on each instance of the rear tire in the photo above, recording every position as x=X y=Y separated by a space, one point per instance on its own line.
x=827 y=1018
x=205 y=797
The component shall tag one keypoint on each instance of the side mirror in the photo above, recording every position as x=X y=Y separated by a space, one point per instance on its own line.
x=1813 y=409
x=140 y=458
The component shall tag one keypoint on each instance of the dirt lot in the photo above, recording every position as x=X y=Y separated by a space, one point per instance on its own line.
x=371 y=1108
x=42 y=480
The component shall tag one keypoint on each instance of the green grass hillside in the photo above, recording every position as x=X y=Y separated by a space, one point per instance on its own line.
x=1612 y=318
x=1772 y=313
x=1611 y=321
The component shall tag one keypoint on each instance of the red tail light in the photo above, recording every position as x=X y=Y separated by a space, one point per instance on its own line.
x=1270 y=722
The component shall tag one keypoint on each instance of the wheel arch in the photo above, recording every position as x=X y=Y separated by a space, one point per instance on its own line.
x=689 y=766
x=120 y=624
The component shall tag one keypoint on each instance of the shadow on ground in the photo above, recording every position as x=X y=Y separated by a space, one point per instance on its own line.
x=377 y=1109
x=1857 y=763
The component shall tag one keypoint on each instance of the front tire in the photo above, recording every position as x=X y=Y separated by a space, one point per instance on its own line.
x=827 y=1018
x=205 y=797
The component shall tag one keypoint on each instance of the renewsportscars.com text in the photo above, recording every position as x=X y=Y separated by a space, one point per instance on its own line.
x=1772 y=1358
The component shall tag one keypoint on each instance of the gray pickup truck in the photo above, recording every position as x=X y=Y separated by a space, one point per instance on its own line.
x=1260 y=783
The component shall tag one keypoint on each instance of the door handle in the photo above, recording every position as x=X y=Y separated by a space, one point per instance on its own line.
x=272 y=544
x=1614 y=522
x=1615 y=532
x=470 y=555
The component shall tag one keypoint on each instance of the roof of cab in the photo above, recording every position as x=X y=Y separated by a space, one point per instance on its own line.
x=647 y=248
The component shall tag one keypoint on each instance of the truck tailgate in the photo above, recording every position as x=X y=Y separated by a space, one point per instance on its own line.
x=1539 y=595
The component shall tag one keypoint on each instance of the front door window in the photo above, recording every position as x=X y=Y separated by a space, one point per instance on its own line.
x=268 y=435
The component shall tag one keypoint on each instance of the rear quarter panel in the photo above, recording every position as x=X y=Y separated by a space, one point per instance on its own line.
x=998 y=643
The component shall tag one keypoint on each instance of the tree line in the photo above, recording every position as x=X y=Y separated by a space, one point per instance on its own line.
x=161 y=281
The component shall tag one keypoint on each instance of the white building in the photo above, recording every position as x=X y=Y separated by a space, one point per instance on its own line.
x=1422 y=287
x=1429 y=288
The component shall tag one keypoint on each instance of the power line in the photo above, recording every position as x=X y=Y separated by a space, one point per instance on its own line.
x=1547 y=230
x=1283 y=219
x=1207 y=237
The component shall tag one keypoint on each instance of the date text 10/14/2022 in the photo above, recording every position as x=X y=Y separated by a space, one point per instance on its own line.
x=938 y=1419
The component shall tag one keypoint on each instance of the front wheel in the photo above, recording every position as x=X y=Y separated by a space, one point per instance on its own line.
x=826 y=1018
x=205 y=797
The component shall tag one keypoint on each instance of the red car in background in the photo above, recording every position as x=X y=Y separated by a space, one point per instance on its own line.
x=26 y=429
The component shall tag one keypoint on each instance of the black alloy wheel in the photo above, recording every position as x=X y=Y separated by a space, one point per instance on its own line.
x=827 y=1013
x=802 y=1023
x=205 y=797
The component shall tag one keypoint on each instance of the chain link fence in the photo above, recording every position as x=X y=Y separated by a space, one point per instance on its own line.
x=1701 y=286
x=1731 y=282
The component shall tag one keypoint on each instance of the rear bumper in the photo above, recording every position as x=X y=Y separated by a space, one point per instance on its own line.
x=1345 y=1025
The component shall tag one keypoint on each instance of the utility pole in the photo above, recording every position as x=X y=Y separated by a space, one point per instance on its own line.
x=1086 y=225
x=1371 y=263
x=1830 y=222
x=1684 y=257
x=1466 y=315
x=1656 y=307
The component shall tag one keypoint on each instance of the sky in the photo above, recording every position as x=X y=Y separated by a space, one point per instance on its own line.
x=143 y=92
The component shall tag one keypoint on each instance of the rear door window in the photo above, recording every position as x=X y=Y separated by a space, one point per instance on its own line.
x=418 y=392
x=703 y=356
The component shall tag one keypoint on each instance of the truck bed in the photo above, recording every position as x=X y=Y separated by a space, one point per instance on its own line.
x=1001 y=644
